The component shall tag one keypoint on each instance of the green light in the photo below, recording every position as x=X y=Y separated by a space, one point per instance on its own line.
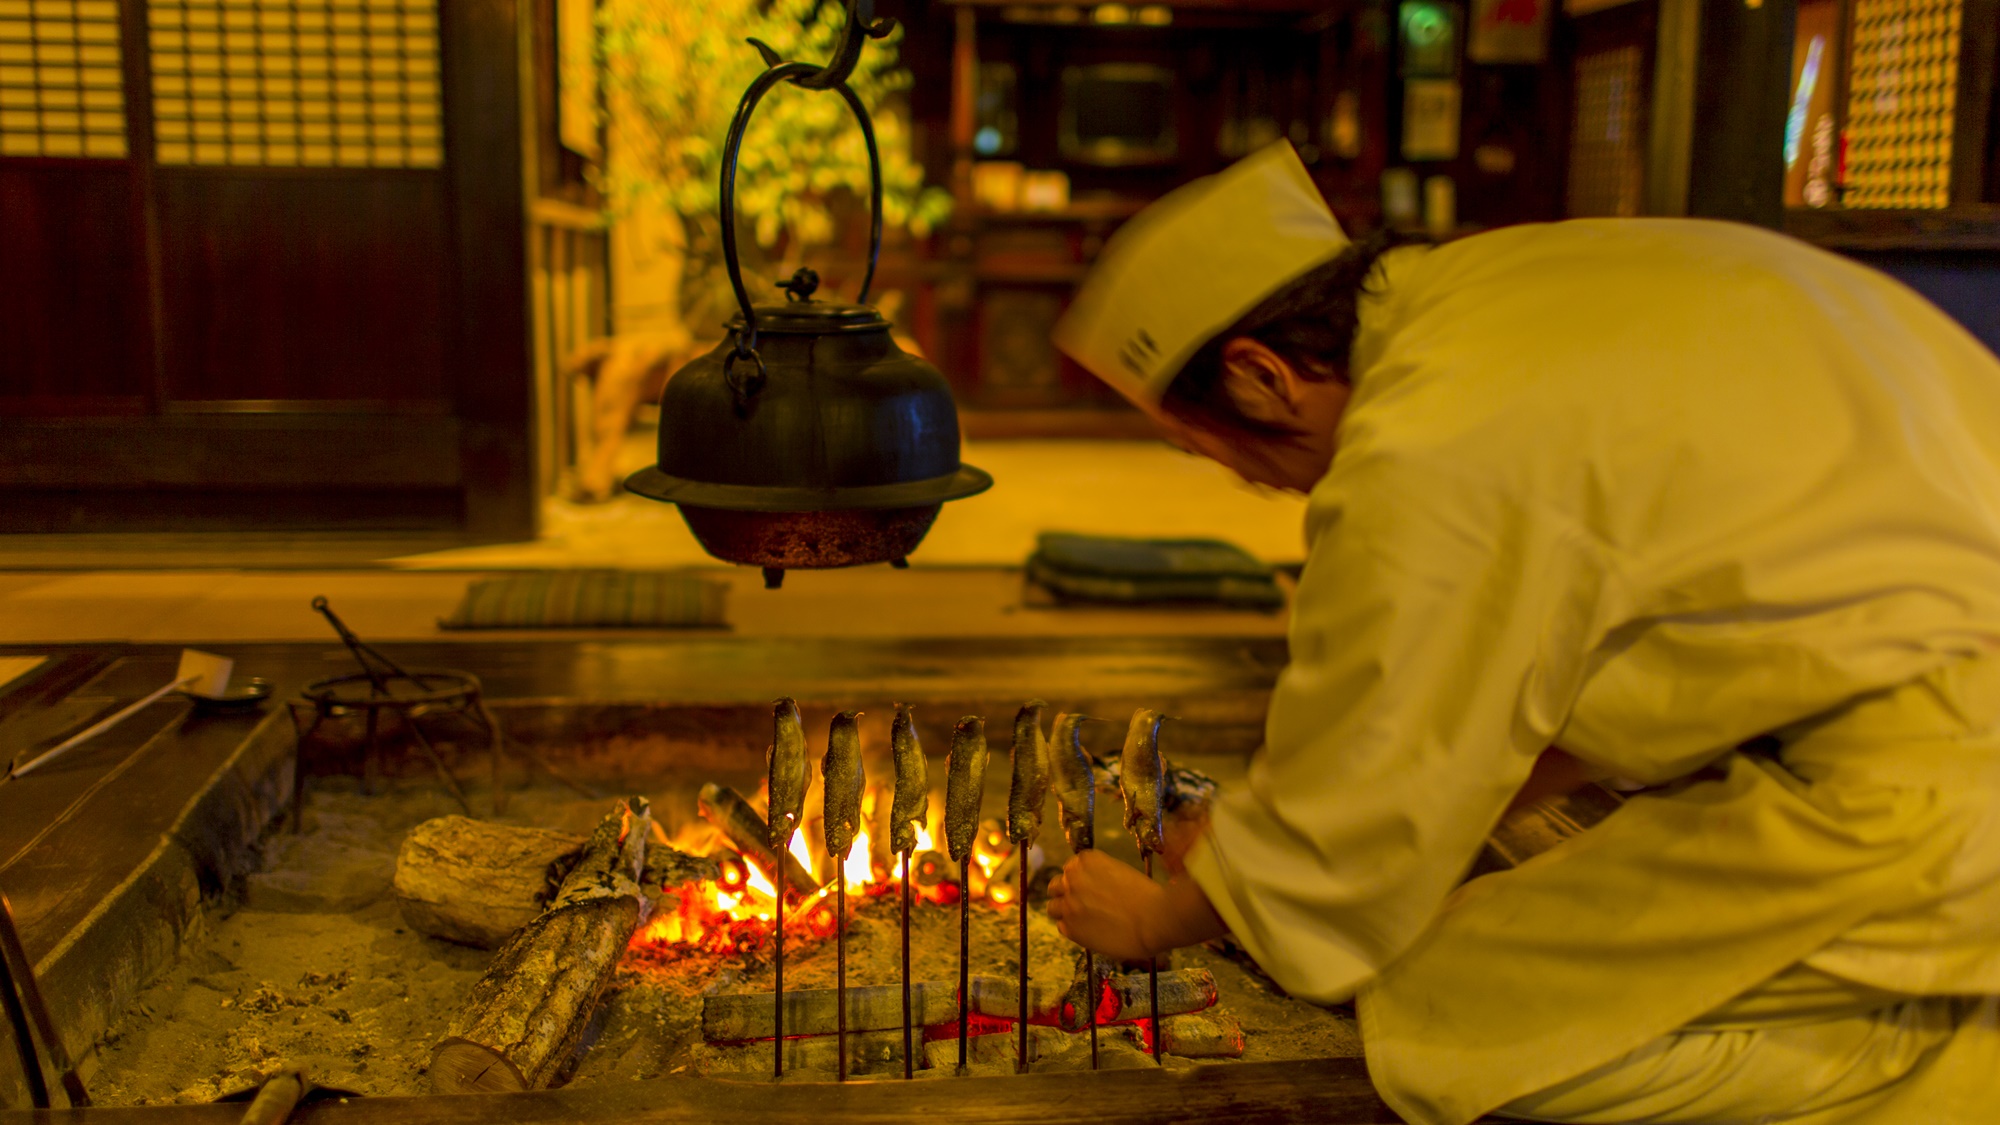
x=1425 y=25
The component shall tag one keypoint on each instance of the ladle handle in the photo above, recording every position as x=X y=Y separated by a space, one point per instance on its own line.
x=833 y=76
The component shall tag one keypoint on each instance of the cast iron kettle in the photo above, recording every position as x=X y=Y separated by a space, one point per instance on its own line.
x=808 y=439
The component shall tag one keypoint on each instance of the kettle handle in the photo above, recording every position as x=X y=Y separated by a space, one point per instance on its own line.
x=833 y=76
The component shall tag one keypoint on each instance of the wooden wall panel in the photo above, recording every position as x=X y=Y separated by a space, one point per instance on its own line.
x=252 y=451
x=72 y=320
x=308 y=286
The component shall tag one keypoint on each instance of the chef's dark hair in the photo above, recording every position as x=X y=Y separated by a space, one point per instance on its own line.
x=1310 y=322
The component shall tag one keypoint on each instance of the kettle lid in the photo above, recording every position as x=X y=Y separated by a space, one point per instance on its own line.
x=813 y=318
x=802 y=315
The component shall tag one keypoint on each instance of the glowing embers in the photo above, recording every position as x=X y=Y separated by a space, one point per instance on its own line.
x=736 y=913
x=62 y=87
x=348 y=83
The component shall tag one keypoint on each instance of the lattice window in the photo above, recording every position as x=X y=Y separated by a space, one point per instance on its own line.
x=1902 y=102
x=351 y=83
x=1606 y=165
x=62 y=84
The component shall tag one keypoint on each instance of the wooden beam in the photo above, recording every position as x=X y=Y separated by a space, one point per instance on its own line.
x=490 y=360
x=1670 y=137
x=1972 y=134
x=1736 y=161
x=1967 y=228
x=1324 y=1091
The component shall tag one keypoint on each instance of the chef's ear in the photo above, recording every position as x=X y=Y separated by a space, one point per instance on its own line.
x=1260 y=383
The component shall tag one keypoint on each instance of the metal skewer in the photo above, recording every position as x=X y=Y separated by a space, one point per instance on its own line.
x=965 y=785
x=1142 y=780
x=841 y=805
x=910 y=806
x=789 y=776
x=907 y=1061
x=1090 y=974
x=964 y=956
x=1153 y=983
x=840 y=965
x=1026 y=794
x=1021 y=870
x=1076 y=798
x=778 y=983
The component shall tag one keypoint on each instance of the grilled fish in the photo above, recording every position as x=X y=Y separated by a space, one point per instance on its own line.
x=913 y=786
x=1030 y=788
x=789 y=772
x=746 y=832
x=1142 y=777
x=1075 y=781
x=965 y=784
x=844 y=782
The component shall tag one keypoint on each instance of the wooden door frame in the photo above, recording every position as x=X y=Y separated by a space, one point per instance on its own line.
x=48 y=450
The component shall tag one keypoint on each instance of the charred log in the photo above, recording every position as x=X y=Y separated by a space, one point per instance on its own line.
x=525 y=1016
x=815 y=1011
x=474 y=882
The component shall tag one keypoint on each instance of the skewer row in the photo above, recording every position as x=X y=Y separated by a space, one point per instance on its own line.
x=1036 y=764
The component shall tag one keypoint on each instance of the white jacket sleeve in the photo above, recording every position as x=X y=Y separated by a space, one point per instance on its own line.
x=1433 y=656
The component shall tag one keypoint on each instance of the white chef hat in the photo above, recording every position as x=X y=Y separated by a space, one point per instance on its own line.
x=1192 y=264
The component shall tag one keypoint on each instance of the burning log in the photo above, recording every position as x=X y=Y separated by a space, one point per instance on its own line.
x=525 y=1016
x=997 y=1049
x=1181 y=991
x=1000 y=998
x=749 y=835
x=1202 y=1035
x=741 y=1016
x=476 y=883
x=868 y=1052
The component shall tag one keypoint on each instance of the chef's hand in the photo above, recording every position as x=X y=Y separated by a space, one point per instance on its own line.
x=1180 y=834
x=1112 y=908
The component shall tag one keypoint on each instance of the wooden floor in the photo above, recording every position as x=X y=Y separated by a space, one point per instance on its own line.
x=205 y=606
x=1323 y=1092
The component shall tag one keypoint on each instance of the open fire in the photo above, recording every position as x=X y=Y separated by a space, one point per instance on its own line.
x=735 y=912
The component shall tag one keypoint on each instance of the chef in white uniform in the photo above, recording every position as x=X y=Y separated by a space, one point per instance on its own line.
x=1683 y=502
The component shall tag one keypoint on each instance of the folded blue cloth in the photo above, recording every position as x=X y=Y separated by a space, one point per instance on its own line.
x=1138 y=571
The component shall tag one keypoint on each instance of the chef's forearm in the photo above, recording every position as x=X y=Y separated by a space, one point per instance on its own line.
x=1184 y=918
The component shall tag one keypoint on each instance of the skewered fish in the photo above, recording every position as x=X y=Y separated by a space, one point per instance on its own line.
x=1075 y=781
x=789 y=772
x=965 y=784
x=1030 y=788
x=746 y=832
x=1142 y=777
x=913 y=787
x=844 y=782
x=1189 y=791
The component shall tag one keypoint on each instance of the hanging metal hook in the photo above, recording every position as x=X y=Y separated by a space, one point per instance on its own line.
x=861 y=26
x=861 y=23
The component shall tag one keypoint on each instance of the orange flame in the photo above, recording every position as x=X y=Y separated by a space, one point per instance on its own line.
x=736 y=912
x=857 y=871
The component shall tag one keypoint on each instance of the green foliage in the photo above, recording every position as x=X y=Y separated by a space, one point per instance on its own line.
x=675 y=70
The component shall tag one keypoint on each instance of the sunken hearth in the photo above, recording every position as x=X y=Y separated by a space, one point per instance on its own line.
x=349 y=952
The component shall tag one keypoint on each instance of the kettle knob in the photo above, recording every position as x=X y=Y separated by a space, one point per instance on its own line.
x=804 y=282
